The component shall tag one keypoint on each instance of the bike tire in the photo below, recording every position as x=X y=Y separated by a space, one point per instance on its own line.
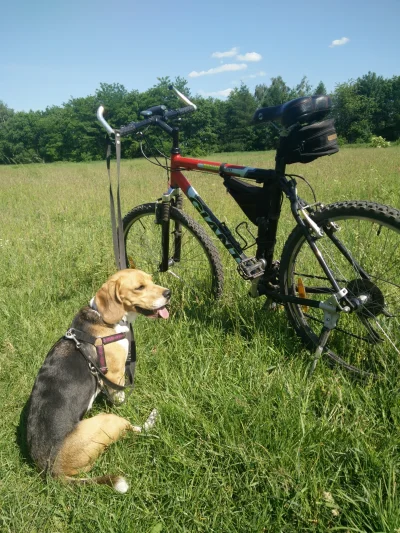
x=197 y=278
x=366 y=341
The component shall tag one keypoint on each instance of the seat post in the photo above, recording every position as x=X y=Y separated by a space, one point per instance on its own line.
x=268 y=226
x=280 y=165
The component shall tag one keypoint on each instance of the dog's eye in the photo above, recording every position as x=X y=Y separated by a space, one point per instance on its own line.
x=140 y=288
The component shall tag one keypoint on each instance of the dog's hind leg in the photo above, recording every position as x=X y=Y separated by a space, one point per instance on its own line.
x=87 y=441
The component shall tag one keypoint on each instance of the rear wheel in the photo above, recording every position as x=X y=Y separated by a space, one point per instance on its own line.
x=366 y=340
x=196 y=277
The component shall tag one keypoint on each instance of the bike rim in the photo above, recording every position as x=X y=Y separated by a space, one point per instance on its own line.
x=366 y=341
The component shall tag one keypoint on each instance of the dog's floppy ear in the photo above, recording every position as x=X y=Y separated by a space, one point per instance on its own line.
x=108 y=302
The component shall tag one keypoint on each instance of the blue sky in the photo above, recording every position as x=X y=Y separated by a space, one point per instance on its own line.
x=55 y=50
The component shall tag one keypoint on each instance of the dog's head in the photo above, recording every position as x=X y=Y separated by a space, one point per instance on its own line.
x=131 y=291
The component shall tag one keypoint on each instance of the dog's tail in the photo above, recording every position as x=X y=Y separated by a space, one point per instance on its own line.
x=118 y=483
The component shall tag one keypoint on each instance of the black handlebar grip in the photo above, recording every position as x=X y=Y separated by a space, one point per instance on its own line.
x=187 y=109
x=181 y=111
x=134 y=126
x=126 y=130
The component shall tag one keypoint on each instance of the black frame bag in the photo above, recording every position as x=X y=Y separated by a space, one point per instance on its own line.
x=250 y=198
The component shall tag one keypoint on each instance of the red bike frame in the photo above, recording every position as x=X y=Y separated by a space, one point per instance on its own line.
x=179 y=163
x=178 y=180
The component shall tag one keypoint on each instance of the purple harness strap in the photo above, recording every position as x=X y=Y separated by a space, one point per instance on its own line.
x=97 y=342
x=100 y=348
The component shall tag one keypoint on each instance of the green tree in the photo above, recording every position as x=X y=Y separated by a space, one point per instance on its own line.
x=303 y=88
x=240 y=108
x=200 y=131
x=320 y=89
x=5 y=113
x=367 y=106
x=274 y=94
x=21 y=138
x=391 y=129
x=352 y=120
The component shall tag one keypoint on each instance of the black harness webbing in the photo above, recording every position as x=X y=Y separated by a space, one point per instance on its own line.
x=82 y=338
x=116 y=222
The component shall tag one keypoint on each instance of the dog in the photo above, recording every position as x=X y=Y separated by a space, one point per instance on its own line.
x=91 y=358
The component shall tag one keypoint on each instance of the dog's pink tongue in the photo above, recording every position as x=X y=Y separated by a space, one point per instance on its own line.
x=163 y=312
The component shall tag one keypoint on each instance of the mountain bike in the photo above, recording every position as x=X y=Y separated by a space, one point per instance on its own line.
x=338 y=276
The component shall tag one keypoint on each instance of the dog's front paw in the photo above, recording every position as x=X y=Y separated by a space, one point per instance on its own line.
x=150 y=422
x=118 y=397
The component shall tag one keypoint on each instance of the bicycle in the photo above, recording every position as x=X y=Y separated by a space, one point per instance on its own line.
x=338 y=276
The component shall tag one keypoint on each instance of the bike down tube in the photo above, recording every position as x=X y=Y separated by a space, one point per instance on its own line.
x=179 y=180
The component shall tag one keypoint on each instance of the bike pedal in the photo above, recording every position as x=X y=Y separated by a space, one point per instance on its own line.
x=251 y=268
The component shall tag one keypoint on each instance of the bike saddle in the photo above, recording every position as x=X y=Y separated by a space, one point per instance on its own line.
x=304 y=109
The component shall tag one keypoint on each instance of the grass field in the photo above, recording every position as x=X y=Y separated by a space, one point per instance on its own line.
x=245 y=442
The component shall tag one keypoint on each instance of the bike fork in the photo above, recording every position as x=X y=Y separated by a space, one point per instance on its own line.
x=165 y=220
x=172 y=197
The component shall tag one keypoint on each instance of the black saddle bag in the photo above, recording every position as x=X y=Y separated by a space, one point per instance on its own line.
x=306 y=143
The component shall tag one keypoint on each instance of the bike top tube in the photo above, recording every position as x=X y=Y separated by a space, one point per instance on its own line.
x=179 y=163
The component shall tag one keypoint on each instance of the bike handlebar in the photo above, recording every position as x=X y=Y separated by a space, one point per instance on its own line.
x=157 y=119
x=103 y=121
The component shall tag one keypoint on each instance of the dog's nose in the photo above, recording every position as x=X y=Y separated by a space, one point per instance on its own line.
x=167 y=294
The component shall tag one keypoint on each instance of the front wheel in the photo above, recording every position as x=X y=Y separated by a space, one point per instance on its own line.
x=195 y=275
x=361 y=245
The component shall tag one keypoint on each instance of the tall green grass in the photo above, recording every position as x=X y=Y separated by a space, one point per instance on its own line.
x=245 y=442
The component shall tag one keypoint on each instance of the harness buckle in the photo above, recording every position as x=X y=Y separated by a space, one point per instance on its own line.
x=93 y=370
x=72 y=336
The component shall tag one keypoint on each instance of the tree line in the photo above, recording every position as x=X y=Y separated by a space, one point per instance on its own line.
x=369 y=105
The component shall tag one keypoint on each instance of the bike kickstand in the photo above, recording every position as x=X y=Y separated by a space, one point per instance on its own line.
x=270 y=305
x=331 y=308
x=323 y=339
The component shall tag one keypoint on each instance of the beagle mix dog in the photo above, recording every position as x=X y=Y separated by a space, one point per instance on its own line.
x=60 y=441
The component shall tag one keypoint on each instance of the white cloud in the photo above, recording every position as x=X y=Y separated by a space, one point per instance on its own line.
x=257 y=74
x=250 y=56
x=230 y=53
x=229 y=67
x=339 y=42
x=224 y=93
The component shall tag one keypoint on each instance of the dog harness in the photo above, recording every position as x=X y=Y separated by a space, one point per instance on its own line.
x=99 y=368
x=97 y=342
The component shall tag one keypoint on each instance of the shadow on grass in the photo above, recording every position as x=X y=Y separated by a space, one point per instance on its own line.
x=21 y=437
x=247 y=317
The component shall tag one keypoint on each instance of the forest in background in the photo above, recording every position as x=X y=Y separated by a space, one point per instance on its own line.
x=362 y=108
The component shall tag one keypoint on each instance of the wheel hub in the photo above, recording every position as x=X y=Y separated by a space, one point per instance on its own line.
x=367 y=297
